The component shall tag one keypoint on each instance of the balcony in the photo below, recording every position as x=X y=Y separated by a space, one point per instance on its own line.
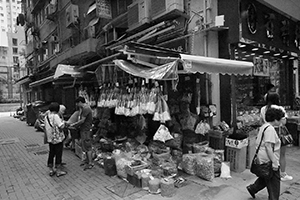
x=82 y=51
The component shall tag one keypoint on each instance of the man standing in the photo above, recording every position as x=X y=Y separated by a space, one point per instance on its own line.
x=85 y=124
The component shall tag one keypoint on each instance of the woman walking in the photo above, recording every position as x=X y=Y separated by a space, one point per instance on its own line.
x=54 y=129
x=274 y=100
x=269 y=150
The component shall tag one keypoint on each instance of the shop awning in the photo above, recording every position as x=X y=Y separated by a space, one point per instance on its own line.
x=23 y=80
x=67 y=70
x=164 y=72
x=201 y=64
x=60 y=71
x=42 y=81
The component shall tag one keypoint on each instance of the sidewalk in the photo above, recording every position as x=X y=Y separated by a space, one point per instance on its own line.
x=24 y=175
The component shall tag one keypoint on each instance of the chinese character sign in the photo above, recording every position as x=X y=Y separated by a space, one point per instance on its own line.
x=103 y=9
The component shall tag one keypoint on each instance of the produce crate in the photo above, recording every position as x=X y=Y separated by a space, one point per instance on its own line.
x=217 y=143
x=236 y=157
x=132 y=169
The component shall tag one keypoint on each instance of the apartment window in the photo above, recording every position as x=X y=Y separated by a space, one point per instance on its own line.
x=1 y=8
x=2 y=20
x=1 y=14
x=3 y=57
x=13 y=1
x=16 y=59
x=15 y=41
x=15 y=50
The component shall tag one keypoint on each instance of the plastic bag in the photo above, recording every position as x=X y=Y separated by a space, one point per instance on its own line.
x=162 y=134
x=205 y=166
x=218 y=159
x=188 y=163
x=225 y=170
x=200 y=147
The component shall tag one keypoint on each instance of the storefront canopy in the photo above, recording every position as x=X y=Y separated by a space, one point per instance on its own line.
x=60 y=71
x=67 y=70
x=164 y=72
x=200 y=64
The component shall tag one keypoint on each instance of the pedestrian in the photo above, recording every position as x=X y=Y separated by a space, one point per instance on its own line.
x=270 y=89
x=269 y=150
x=85 y=125
x=273 y=99
x=54 y=129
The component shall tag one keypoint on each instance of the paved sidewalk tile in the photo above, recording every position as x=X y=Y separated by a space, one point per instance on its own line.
x=24 y=175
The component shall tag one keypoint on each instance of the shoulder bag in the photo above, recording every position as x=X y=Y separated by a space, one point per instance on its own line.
x=285 y=136
x=263 y=170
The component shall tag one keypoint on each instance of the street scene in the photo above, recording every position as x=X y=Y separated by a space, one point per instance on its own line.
x=149 y=99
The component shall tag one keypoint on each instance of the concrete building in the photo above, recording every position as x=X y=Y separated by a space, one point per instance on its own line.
x=12 y=48
x=88 y=35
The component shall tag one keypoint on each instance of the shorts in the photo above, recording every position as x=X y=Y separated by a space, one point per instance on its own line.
x=75 y=134
x=86 y=140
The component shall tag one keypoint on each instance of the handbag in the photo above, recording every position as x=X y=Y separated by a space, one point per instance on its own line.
x=285 y=136
x=262 y=170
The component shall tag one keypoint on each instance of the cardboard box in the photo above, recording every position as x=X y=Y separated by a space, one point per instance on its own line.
x=238 y=144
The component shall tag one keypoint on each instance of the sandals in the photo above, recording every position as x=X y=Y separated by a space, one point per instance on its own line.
x=88 y=166
x=51 y=173
x=61 y=173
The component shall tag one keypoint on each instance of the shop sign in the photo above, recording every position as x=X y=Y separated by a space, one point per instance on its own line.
x=238 y=144
x=263 y=24
x=261 y=67
x=252 y=18
x=103 y=9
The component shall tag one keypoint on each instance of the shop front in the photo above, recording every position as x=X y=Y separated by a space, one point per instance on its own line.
x=268 y=39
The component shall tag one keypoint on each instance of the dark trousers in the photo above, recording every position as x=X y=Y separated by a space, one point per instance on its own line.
x=272 y=184
x=55 y=151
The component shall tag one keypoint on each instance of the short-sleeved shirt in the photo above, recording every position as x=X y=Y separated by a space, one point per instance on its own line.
x=271 y=136
x=86 y=112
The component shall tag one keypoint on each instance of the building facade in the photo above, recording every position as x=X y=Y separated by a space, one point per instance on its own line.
x=12 y=49
x=89 y=35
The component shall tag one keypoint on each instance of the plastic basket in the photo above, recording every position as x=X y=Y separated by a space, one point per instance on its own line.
x=236 y=157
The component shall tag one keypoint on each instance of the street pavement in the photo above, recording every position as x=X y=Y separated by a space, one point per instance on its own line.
x=24 y=174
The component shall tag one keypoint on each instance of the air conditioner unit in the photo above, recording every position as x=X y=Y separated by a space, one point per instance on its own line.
x=72 y=14
x=138 y=13
x=160 y=8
